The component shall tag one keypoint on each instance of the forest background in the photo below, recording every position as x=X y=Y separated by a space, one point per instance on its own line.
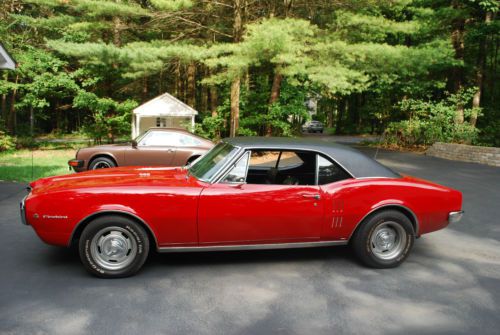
x=416 y=71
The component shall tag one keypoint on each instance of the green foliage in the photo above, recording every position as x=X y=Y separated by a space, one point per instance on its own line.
x=6 y=142
x=210 y=127
x=172 y=5
x=86 y=63
x=109 y=118
x=432 y=121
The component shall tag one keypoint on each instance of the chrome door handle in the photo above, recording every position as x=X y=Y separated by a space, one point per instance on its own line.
x=314 y=196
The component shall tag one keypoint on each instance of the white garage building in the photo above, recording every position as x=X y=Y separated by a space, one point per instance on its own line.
x=6 y=60
x=163 y=111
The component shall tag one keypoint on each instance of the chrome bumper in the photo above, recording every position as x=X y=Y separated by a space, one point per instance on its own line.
x=454 y=217
x=22 y=210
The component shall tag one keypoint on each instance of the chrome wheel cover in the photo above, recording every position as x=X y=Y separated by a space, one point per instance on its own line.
x=388 y=240
x=101 y=165
x=113 y=248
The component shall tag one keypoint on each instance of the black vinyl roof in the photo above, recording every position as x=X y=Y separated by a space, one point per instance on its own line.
x=352 y=160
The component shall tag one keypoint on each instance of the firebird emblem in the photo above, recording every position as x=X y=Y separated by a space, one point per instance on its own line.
x=54 y=216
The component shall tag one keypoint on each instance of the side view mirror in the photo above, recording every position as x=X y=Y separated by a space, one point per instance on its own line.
x=134 y=144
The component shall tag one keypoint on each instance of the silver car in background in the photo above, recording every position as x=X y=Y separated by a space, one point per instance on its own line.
x=313 y=127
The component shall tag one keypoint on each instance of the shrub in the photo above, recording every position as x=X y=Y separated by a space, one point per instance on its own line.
x=431 y=122
x=6 y=142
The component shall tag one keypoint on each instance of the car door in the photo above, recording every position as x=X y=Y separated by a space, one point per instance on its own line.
x=157 y=148
x=232 y=211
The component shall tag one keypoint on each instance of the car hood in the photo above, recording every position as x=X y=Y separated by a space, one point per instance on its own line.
x=115 y=177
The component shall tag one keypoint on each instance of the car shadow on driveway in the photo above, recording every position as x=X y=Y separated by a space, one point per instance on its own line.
x=222 y=258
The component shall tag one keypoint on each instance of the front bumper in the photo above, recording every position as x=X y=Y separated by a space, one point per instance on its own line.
x=22 y=210
x=454 y=217
x=76 y=164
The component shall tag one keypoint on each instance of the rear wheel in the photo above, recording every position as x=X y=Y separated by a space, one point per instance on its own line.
x=384 y=240
x=113 y=247
x=102 y=163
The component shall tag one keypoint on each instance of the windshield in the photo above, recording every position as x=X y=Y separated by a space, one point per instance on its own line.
x=139 y=138
x=208 y=165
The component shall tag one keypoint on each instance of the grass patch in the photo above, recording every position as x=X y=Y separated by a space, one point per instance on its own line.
x=26 y=165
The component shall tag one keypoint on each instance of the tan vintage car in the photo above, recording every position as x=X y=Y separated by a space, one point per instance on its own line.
x=156 y=147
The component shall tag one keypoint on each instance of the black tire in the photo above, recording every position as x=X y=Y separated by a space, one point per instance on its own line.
x=102 y=163
x=375 y=231
x=127 y=233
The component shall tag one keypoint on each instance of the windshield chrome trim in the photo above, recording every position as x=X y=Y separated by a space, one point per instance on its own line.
x=226 y=167
x=216 y=175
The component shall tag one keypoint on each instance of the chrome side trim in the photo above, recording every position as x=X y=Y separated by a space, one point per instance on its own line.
x=417 y=225
x=111 y=212
x=253 y=246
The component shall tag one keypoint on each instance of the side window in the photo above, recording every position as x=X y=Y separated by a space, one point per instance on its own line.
x=159 y=138
x=274 y=167
x=264 y=159
x=329 y=172
x=188 y=141
x=288 y=160
x=238 y=173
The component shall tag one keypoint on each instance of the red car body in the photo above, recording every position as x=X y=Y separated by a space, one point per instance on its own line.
x=183 y=213
x=205 y=214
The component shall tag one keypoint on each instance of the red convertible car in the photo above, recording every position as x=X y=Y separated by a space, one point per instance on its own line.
x=246 y=193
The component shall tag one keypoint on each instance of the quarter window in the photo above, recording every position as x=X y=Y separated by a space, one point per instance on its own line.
x=329 y=172
x=238 y=174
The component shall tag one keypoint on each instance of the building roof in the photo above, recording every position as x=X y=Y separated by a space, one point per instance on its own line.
x=6 y=60
x=165 y=105
x=352 y=160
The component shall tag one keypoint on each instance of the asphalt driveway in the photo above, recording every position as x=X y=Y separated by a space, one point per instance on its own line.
x=450 y=284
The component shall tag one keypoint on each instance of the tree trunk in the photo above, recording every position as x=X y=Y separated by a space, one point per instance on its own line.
x=354 y=111
x=275 y=95
x=235 y=85
x=12 y=120
x=145 y=89
x=481 y=62
x=276 y=87
x=330 y=116
x=457 y=40
x=5 y=113
x=32 y=121
x=177 y=75
x=191 y=85
x=340 y=115
x=235 y=107
x=58 y=117
x=204 y=93
x=213 y=100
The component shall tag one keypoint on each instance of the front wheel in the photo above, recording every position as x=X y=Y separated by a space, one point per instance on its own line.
x=102 y=163
x=113 y=247
x=384 y=240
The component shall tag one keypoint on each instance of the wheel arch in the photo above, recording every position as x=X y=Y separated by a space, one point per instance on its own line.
x=400 y=208
x=101 y=154
x=80 y=226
